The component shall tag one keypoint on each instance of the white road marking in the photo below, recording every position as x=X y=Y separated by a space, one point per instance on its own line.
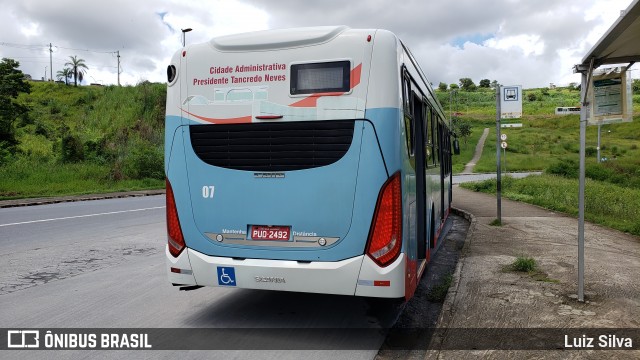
x=82 y=216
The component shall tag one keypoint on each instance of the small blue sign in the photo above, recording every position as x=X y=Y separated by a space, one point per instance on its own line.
x=226 y=276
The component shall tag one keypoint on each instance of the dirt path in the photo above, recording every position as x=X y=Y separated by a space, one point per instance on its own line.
x=468 y=169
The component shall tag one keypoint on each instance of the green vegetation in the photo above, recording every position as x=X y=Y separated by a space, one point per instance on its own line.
x=438 y=293
x=546 y=141
x=58 y=179
x=12 y=85
x=529 y=265
x=523 y=264
x=495 y=222
x=608 y=204
x=550 y=143
x=86 y=139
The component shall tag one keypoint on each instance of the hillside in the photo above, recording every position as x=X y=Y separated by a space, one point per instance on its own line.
x=87 y=139
x=546 y=140
x=551 y=143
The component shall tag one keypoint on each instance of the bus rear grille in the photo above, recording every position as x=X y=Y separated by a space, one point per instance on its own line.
x=272 y=146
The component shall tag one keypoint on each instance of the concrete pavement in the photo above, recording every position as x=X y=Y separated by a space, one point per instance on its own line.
x=486 y=295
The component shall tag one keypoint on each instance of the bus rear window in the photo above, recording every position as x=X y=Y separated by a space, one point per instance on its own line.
x=320 y=77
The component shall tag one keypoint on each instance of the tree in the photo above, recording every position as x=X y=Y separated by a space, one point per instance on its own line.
x=636 y=86
x=462 y=129
x=442 y=86
x=485 y=83
x=12 y=83
x=453 y=86
x=64 y=74
x=77 y=67
x=467 y=84
x=494 y=84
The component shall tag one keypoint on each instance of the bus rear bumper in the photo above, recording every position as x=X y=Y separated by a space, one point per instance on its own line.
x=354 y=276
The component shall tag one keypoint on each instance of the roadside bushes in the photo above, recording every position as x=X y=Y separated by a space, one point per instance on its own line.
x=71 y=149
x=608 y=172
x=144 y=160
x=565 y=167
x=128 y=158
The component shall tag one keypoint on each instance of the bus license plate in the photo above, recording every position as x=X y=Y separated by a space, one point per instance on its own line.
x=274 y=233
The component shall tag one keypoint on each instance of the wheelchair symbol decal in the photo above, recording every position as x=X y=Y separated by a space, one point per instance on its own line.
x=226 y=276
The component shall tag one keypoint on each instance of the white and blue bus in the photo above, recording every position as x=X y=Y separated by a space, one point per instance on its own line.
x=312 y=160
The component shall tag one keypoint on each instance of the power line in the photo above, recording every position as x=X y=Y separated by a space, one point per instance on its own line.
x=23 y=46
x=50 y=48
x=86 y=50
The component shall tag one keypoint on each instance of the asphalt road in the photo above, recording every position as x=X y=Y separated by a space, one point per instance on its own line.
x=463 y=178
x=100 y=264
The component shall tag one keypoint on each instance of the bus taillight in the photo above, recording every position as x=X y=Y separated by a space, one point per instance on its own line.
x=174 y=232
x=385 y=235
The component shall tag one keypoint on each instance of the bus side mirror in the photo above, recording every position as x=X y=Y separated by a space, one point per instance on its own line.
x=456 y=146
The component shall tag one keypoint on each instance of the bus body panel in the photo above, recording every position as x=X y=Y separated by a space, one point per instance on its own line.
x=241 y=199
x=324 y=210
x=237 y=86
x=354 y=276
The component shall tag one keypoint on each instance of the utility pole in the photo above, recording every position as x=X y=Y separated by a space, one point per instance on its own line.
x=50 y=63
x=118 y=53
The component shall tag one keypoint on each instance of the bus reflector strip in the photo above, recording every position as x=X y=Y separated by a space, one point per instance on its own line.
x=181 y=271
x=385 y=283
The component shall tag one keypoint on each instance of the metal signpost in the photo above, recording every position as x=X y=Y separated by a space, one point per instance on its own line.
x=498 y=178
x=508 y=106
x=605 y=97
x=620 y=44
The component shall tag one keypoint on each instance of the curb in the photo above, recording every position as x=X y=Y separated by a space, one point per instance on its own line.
x=448 y=306
x=73 y=198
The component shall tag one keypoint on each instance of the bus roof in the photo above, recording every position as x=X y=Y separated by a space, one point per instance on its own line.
x=277 y=39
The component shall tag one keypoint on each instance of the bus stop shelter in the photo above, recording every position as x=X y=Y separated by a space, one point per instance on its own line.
x=619 y=45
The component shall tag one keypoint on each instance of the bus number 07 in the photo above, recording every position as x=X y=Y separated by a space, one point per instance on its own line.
x=207 y=191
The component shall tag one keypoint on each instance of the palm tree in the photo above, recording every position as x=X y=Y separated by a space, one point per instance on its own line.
x=77 y=67
x=64 y=73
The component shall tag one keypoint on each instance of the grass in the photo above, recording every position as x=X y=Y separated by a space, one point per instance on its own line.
x=495 y=222
x=550 y=143
x=86 y=139
x=25 y=180
x=543 y=141
x=438 y=293
x=611 y=205
x=524 y=264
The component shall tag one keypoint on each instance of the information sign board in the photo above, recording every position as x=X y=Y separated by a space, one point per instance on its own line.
x=511 y=102
x=610 y=97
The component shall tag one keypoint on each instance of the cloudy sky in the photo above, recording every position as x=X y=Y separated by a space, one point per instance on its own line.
x=527 y=42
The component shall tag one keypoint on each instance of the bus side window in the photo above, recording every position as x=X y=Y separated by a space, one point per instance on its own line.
x=433 y=127
x=437 y=136
x=428 y=131
x=409 y=120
